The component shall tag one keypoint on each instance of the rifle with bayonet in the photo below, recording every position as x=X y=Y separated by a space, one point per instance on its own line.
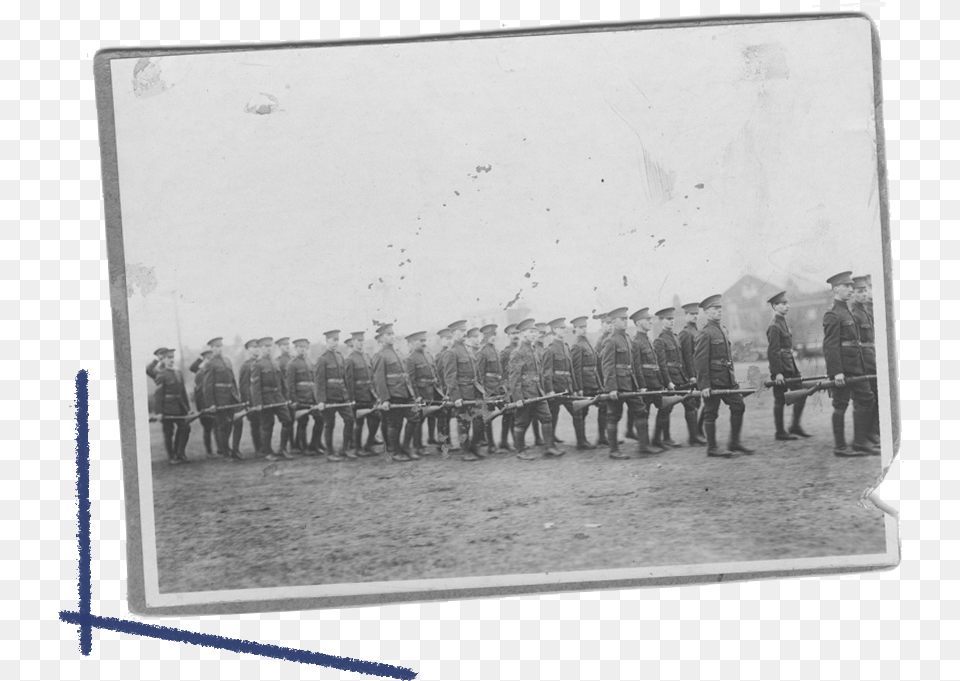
x=511 y=406
x=434 y=406
x=193 y=416
x=803 y=380
x=579 y=405
x=240 y=414
x=792 y=396
x=718 y=392
x=299 y=413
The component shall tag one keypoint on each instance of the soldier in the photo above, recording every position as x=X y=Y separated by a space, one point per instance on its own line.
x=460 y=383
x=490 y=375
x=423 y=377
x=584 y=360
x=844 y=357
x=392 y=387
x=652 y=377
x=538 y=347
x=283 y=359
x=333 y=379
x=506 y=423
x=172 y=401
x=714 y=364
x=688 y=336
x=301 y=391
x=220 y=394
x=558 y=375
x=208 y=421
x=783 y=365
x=442 y=416
x=620 y=375
x=266 y=394
x=862 y=308
x=524 y=381
x=606 y=328
x=363 y=395
x=670 y=359
x=253 y=354
x=158 y=356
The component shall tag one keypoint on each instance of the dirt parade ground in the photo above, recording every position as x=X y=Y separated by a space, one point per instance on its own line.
x=224 y=524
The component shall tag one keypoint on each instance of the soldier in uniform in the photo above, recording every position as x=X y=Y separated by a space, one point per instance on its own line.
x=524 y=381
x=652 y=377
x=843 y=353
x=673 y=376
x=283 y=359
x=620 y=374
x=490 y=375
x=158 y=356
x=266 y=394
x=443 y=416
x=506 y=423
x=783 y=365
x=219 y=391
x=862 y=308
x=333 y=378
x=584 y=360
x=208 y=421
x=423 y=377
x=253 y=354
x=714 y=364
x=606 y=328
x=460 y=383
x=301 y=391
x=363 y=395
x=538 y=347
x=558 y=375
x=688 y=336
x=392 y=387
x=172 y=401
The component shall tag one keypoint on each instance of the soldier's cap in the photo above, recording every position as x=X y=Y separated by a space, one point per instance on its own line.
x=543 y=328
x=266 y=340
x=489 y=328
x=859 y=282
x=642 y=313
x=283 y=341
x=601 y=316
x=578 y=321
x=460 y=325
x=206 y=353
x=473 y=333
x=869 y=279
x=445 y=333
x=160 y=352
x=419 y=335
x=335 y=333
x=384 y=329
x=252 y=343
x=558 y=323
x=666 y=313
x=619 y=313
x=357 y=335
x=215 y=341
x=691 y=308
x=168 y=352
x=711 y=301
x=510 y=328
x=778 y=298
x=839 y=279
x=526 y=324
x=301 y=341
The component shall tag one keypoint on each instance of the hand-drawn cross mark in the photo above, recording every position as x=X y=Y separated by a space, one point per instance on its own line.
x=88 y=622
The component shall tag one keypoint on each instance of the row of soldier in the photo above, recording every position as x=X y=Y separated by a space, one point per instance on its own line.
x=535 y=372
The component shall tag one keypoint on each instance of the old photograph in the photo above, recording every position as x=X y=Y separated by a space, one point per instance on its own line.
x=500 y=313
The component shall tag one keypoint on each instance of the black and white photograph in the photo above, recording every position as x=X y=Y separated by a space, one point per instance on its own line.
x=527 y=311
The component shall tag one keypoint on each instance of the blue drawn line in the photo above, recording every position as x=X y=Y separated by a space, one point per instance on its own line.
x=88 y=622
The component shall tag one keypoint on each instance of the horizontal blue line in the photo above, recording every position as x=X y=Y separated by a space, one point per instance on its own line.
x=237 y=645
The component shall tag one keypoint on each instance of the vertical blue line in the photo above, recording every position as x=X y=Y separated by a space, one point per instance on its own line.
x=83 y=510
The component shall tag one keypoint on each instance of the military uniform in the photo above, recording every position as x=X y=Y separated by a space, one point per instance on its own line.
x=283 y=361
x=654 y=378
x=490 y=375
x=266 y=392
x=864 y=314
x=602 y=405
x=207 y=421
x=584 y=360
x=687 y=337
x=506 y=421
x=670 y=359
x=620 y=374
x=363 y=395
x=252 y=416
x=302 y=392
x=171 y=398
x=424 y=380
x=524 y=381
x=782 y=362
x=460 y=383
x=391 y=384
x=334 y=382
x=558 y=377
x=220 y=390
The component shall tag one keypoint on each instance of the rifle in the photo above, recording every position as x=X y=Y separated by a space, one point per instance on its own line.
x=187 y=418
x=792 y=396
x=240 y=414
x=299 y=413
x=670 y=401
x=579 y=405
x=433 y=407
x=510 y=406
x=363 y=413
x=798 y=379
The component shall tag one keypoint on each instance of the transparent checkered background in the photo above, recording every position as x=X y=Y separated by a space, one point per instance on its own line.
x=878 y=626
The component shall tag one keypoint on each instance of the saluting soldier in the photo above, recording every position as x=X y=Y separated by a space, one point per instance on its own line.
x=423 y=378
x=172 y=401
x=670 y=359
x=266 y=393
x=443 y=416
x=252 y=348
x=333 y=386
x=583 y=359
x=863 y=310
x=620 y=374
x=392 y=387
x=208 y=421
x=220 y=393
x=460 y=383
x=606 y=328
x=301 y=391
x=506 y=421
x=714 y=363
x=490 y=375
x=558 y=374
x=688 y=337
x=363 y=395
x=652 y=376
x=524 y=381
x=843 y=353
x=158 y=356
x=283 y=360
x=783 y=365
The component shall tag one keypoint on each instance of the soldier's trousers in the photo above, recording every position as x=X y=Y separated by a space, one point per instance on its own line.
x=266 y=426
x=711 y=406
x=466 y=416
x=443 y=426
x=506 y=427
x=175 y=436
x=663 y=414
x=393 y=424
x=859 y=392
x=525 y=415
x=555 y=412
x=329 y=421
x=635 y=409
x=209 y=424
x=255 y=431
x=225 y=426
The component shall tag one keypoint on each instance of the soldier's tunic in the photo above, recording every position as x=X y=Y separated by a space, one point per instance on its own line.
x=670 y=358
x=302 y=392
x=524 y=382
x=558 y=376
x=460 y=381
x=843 y=352
x=172 y=400
x=266 y=392
x=364 y=395
x=584 y=360
x=780 y=356
x=714 y=366
x=422 y=374
x=208 y=421
x=334 y=383
x=620 y=374
x=392 y=384
x=490 y=370
x=649 y=370
x=220 y=390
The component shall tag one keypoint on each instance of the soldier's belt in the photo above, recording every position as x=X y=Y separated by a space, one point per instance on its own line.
x=395 y=375
x=850 y=344
x=223 y=385
x=334 y=380
x=866 y=345
x=623 y=366
x=363 y=381
x=561 y=373
x=492 y=373
x=650 y=366
x=304 y=382
x=678 y=365
x=722 y=362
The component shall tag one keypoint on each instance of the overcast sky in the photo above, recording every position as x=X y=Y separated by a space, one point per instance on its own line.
x=424 y=182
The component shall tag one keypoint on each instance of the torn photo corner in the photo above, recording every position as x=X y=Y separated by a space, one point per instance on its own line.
x=591 y=307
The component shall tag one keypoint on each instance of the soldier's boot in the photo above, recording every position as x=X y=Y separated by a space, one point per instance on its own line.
x=736 y=426
x=266 y=440
x=692 y=428
x=168 y=441
x=861 y=445
x=537 y=438
x=349 y=443
x=407 y=447
x=286 y=439
x=550 y=441
x=712 y=450
x=630 y=434
x=614 y=442
x=580 y=428
x=236 y=433
x=373 y=425
x=332 y=454
x=466 y=443
x=643 y=433
x=553 y=427
x=207 y=444
x=840 y=447
x=418 y=441
x=795 y=428
x=378 y=423
x=602 y=426
x=431 y=430
x=491 y=441
x=781 y=433
x=505 y=426
x=667 y=440
x=520 y=444
x=700 y=430
x=180 y=442
x=657 y=441
x=872 y=424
